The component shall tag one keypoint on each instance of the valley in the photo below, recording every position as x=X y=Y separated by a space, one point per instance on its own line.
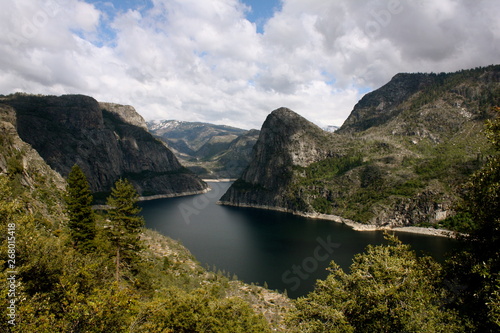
x=421 y=151
x=210 y=151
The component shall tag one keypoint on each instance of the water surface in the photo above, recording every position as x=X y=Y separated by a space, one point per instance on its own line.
x=286 y=251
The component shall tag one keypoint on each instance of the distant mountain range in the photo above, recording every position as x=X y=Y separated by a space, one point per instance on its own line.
x=398 y=160
x=211 y=151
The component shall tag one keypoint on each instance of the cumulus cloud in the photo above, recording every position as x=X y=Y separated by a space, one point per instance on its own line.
x=205 y=61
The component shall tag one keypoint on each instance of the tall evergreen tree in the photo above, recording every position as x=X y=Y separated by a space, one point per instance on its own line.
x=126 y=224
x=79 y=206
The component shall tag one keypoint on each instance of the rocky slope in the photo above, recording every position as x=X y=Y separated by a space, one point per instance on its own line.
x=231 y=162
x=34 y=183
x=211 y=151
x=108 y=141
x=398 y=160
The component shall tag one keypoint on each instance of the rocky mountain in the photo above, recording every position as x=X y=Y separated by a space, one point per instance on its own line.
x=231 y=162
x=398 y=160
x=286 y=141
x=107 y=140
x=211 y=151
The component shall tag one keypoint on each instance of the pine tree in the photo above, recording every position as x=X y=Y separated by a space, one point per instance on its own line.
x=79 y=206
x=126 y=224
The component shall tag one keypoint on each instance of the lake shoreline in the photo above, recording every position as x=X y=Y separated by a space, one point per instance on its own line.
x=353 y=224
x=173 y=195
x=219 y=180
x=159 y=196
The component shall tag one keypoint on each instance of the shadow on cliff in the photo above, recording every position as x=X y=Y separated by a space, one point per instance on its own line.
x=75 y=129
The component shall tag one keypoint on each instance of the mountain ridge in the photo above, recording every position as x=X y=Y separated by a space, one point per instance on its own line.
x=398 y=160
x=99 y=138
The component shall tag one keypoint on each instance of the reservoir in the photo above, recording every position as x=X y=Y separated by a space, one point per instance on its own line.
x=283 y=250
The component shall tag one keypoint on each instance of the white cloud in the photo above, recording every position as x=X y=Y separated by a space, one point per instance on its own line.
x=204 y=61
x=86 y=17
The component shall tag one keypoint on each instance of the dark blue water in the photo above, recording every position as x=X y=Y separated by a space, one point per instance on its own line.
x=286 y=251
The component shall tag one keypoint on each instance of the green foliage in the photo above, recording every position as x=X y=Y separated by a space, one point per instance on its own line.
x=125 y=223
x=388 y=289
x=15 y=165
x=443 y=83
x=123 y=209
x=331 y=167
x=198 y=311
x=477 y=269
x=9 y=206
x=62 y=289
x=322 y=205
x=79 y=205
x=482 y=200
x=315 y=176
x=493 y=130
x=372 y=176
x=461 y=222
x=451 y=162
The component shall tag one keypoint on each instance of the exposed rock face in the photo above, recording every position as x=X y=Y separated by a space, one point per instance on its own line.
x=192 y=135
x=126 y=113
x=19 y=161
x=423 y=208
x=15 y=151
x=235 y=159
x=440 y=102
x=77 y=129
x=398 y=160
x=286 y=140
x=376 y=108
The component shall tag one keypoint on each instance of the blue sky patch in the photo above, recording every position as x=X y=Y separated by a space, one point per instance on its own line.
x=262 y=11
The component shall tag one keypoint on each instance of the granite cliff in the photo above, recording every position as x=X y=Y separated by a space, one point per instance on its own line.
x=286 y=141
x=398 y=160
x=108 y=141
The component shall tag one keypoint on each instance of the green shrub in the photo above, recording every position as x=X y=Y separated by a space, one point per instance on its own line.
x=388 y=289
x=15 y=165
x=333 y=166
x=322 y=205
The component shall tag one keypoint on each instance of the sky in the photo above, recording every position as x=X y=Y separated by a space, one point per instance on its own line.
x=234 y=61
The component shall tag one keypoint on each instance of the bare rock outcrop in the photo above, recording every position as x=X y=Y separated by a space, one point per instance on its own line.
x=100 y=138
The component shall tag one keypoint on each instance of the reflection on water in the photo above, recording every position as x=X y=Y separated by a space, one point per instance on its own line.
x=286 y=251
